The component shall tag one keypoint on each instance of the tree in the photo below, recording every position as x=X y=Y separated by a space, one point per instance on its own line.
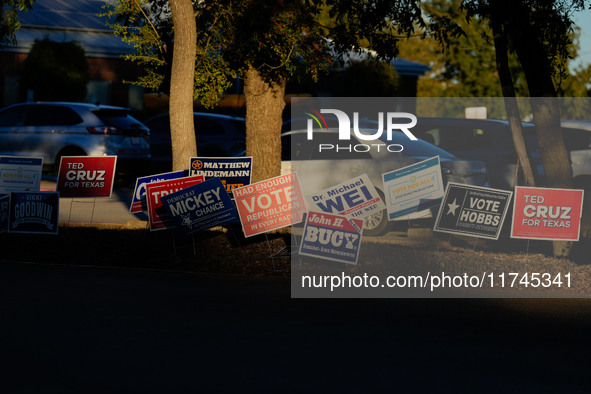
x=465 y=66
x=9 y=22
x=55 y=71
x=539 y=33
x=263 y=42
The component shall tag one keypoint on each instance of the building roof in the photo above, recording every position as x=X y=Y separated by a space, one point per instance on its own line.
x=409 y=67
x=69 y=20
x=402 y=66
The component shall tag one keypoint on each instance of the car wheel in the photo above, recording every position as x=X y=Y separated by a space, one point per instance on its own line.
x=376 y=224
x=70 y=151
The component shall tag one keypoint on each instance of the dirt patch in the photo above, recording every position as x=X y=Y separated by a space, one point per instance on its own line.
x=218 y=251
x=226 y=251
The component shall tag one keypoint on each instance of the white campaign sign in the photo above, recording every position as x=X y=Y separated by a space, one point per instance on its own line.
x=357 y=198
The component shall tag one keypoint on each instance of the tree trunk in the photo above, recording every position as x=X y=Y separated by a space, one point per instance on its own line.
x=182 y=79
x=545 y=109
x=501 y=50
x=264 y=108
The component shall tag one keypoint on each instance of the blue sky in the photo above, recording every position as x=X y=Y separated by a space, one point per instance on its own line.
x=583 y=20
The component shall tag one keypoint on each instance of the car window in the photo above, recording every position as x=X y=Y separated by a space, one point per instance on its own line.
x=420 y=148
x=298 y=147
x=13 y=116
x=432 y=136
x=463 y=139
x=456 y=138
x=576 y=139
x=159 y=125
x=206 y=126
x=51 y=115
x=286 y=148
x=119 y=119
x=239 y=125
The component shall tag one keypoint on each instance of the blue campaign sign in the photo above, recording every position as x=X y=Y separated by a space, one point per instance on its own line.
x=200 y=207
x=332 y=237
x=234 y=172
x=413 y=188
x=34 y=212
x=4 y=212
x=19 y=174
x=138 y=202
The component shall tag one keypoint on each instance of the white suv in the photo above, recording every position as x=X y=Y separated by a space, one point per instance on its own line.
x=55 y=129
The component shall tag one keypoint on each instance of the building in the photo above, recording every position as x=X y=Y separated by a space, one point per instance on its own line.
x=78 y=21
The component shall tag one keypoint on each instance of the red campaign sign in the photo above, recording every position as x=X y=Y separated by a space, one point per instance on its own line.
x=270 y=204
x=547 y=214
x=159 y=219
x=86 y=176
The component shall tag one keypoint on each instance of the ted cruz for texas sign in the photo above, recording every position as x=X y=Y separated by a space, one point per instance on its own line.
x=547 y=214
x=86 y=176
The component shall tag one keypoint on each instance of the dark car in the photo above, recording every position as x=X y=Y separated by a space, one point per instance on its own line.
x=54 y=129
x=216 y=135
x=320 y=170
x=491 y=141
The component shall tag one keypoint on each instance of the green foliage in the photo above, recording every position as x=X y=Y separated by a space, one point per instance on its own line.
x=375 y=25
x=280 y=39
x=232 y=35
x=534 y=27
x=466 y=65
x=55 y=71
x=9 y=22
x=132 y=21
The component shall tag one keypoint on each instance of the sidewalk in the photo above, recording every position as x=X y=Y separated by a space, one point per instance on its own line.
x=113 y=210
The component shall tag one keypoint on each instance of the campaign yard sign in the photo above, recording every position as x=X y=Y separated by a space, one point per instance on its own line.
x=234 y=172
x=158 y=218
x=356 y=198
x=200 y=207
x=413 y=188
x=138 y=201
x=472 y=211
x=34 y=212
x=19 y=174
x=547 y=214
x=86 y=176
x=270 y=204
x=4 y=212
x=332 y=237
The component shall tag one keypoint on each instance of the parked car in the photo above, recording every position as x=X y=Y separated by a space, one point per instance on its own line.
x=216 y=135
x=320 y=170
x=581 y=153
x=54 y=129
x=490 y=140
